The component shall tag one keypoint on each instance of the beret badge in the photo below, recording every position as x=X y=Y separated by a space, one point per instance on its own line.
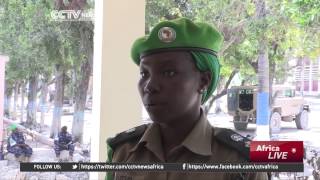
x=167 y=34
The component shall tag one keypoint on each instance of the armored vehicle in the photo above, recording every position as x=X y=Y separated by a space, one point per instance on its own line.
x=287 y=106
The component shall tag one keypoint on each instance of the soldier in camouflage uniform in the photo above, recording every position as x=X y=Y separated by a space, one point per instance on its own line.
x=17 y=145
x=64 y=142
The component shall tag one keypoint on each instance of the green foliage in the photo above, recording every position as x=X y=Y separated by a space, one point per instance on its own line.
x=35 y=43
x=303 y=12
x=158 y=10
x=21 y=38
x=290 y=27
x=303 y=35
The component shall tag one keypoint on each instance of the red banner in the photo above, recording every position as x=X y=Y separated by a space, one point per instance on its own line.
x=276 y=151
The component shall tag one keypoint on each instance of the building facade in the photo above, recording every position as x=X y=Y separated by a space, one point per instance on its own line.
x=307 y=76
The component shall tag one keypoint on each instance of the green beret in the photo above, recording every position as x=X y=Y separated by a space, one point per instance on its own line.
x=200 y=39
x=178 y=34
x=12 y=127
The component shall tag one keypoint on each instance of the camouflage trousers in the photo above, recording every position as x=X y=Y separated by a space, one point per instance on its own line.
x=58 y=148
x=21 y=150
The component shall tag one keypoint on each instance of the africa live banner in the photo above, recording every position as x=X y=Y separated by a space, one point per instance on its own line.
x=276 y=151
x=265 y=156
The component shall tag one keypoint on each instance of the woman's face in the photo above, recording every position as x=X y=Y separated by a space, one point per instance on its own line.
x=169 y=86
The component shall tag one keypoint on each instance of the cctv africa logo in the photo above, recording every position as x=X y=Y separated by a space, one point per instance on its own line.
x=72 y=15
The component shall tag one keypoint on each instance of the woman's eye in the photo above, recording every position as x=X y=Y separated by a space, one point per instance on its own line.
x=142 y=74
x=169 y=73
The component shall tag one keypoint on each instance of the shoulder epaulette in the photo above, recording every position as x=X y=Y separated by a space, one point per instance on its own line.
x=128 y=135
x=233 y=140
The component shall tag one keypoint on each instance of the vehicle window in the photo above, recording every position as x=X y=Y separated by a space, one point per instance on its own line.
x=288 y=93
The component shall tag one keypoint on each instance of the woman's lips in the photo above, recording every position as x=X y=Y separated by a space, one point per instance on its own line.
x=154 y=105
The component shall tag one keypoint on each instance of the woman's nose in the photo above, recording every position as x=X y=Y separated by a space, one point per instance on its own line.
x=152 y=86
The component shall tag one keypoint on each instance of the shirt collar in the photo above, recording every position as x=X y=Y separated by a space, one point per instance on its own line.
x=152 y=140
x=197 y=141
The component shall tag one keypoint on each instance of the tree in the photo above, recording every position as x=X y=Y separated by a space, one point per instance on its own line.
x=40 y=48
x=27 y=56
x=83 y=73
x=81 y=51
x=243 y=32
x=230 y=17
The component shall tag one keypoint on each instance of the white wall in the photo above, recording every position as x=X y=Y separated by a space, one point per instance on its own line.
x=116 y=102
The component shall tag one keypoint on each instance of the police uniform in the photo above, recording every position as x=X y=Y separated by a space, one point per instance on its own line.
x=204 y=144
x=64 y=142
x=17 y=138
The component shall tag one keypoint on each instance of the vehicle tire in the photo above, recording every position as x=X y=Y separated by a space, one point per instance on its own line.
x=239 y=125
x=275 y=122
x=302 y=120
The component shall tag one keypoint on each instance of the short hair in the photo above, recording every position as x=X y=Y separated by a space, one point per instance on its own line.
x=64 y=128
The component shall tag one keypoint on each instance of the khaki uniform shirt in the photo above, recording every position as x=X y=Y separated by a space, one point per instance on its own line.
x=200 y=146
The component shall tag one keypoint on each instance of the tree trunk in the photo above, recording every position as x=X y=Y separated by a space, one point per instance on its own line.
x=58 y=101
x=90 y=89
x=263 y=70
x=32 y=102
x=15 y=101
x=10 y=104
x=80 y=101
x=272 y=76
x=219 y=90
x=74 y=83
x=7 y=102
x=43 y=102
x=263 y=104
x=272 y=96
x=86 y=35
x=221 y=93
x=22 y=102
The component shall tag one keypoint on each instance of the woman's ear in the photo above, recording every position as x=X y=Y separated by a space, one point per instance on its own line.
x=205 y=79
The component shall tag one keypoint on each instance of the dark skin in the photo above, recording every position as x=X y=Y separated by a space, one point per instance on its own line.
x=64 y=129
x=170 y=88
x=17 y=131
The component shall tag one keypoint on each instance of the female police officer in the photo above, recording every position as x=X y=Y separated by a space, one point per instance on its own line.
x=179 y=70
